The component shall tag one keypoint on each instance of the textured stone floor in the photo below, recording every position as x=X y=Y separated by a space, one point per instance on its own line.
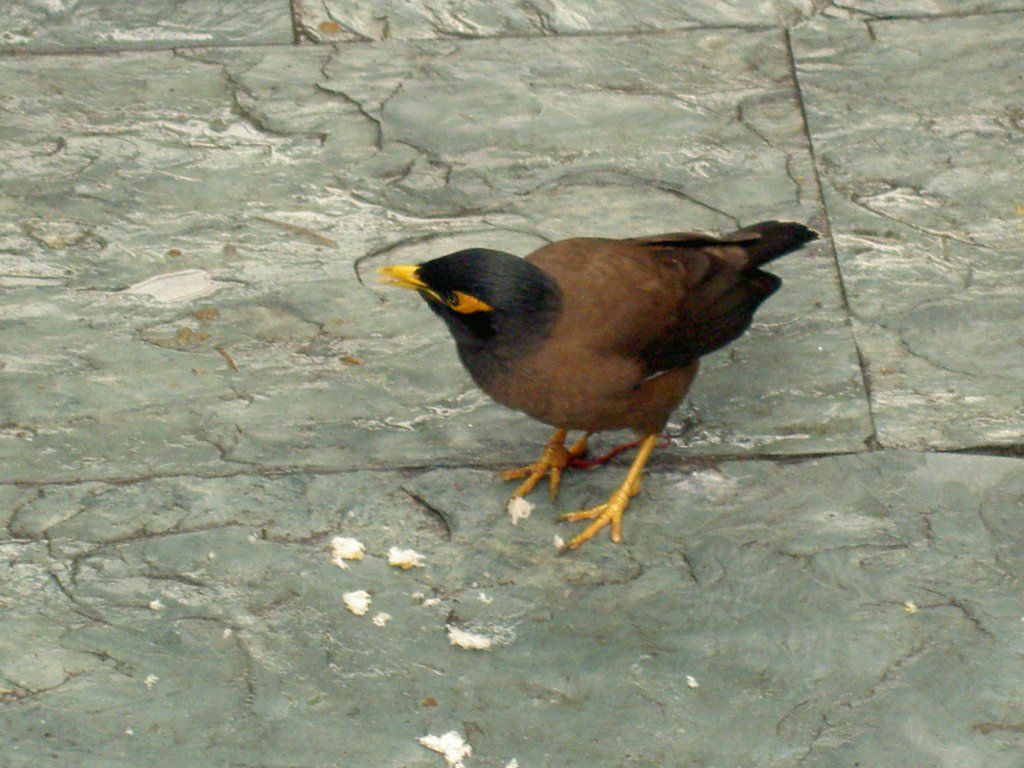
x=197 y=394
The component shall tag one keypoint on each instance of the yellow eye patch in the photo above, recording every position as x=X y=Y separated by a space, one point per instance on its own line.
x=466 y=304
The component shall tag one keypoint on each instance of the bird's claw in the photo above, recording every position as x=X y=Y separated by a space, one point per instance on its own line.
x=604 y=515
x=552 y=461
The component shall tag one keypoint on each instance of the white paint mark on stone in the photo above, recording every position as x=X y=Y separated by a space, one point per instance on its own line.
x=172 y=287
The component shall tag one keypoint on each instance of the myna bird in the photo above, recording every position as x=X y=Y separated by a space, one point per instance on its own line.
x=596 y=334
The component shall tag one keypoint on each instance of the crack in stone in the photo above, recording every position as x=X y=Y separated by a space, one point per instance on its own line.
x=237 y=91
x=443 y=27
x=853 y=11
x=907 y=347
x=224 y=447
x=545 y=25
x=663 y=464
x=176 y=578
x=24 y=504
x=915 y=652
x=742 y=120
x=378 y=139
x=19 y=692
x=1009 y=450
x=961 y=606
x=872 y=442
x=629 y=180
x=120 y=665
x=988 y=728
x=451 y=212
x=394 y=245
x=143 y=535
x=434 y=513
x=861 y=201
x=78 y=607
x=360 y=36
x=691 y=571
x=674 y=190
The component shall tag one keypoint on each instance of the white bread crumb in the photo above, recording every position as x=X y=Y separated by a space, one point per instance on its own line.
x=357 y=602
x=405 y=558
x=519 y=509
x=451 y=745
x=471 y=641
x=344 y=548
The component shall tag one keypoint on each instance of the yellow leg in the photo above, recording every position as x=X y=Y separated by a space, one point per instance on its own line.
x=552 y=461
x=610 y=513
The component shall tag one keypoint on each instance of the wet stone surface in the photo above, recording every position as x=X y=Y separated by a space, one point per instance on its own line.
x=197 y=394
x=929 y=232
x=250 y=198
x=56 y=25
x=352 y=20
x=825 y=610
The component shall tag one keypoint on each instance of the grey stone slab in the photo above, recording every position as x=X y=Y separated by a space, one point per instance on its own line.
x=334 y=20
x=33 y=25
x=250 y=181
x=890 y=9
x=921 y=174
x=836 y=611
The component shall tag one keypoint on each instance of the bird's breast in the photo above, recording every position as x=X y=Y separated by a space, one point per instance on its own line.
x=575 y=390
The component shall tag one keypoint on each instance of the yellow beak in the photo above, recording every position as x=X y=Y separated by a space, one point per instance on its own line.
x=403 y=276
x=408 y=276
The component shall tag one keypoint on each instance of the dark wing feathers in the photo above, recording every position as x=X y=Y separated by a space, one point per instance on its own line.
x=773 y=239
x=723 y=288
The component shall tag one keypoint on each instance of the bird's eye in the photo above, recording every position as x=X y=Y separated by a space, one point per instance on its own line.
x=466 y=304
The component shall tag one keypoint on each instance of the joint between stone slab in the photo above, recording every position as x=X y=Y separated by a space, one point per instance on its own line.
x=1004 y=450
x=872 y=442
x=660 y=464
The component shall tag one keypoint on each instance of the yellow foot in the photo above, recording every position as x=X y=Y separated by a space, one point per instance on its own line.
x=609 y=514
x=552 y=461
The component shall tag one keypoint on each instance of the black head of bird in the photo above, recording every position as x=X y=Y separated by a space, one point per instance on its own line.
x=487 y=298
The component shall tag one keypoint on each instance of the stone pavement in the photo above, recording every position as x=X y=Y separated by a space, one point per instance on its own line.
x=826 y=567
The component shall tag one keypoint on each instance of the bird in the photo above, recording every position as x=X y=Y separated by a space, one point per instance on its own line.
x=593 y=334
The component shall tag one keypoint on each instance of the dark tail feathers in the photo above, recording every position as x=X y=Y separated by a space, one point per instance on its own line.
x=774 y=239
